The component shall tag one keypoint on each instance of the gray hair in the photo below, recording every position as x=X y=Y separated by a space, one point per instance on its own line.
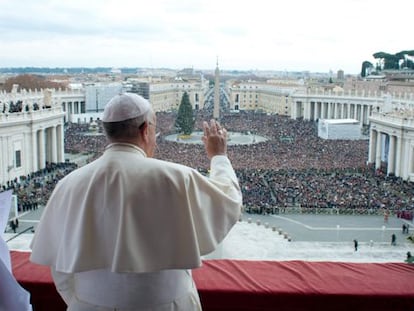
x=127 y=128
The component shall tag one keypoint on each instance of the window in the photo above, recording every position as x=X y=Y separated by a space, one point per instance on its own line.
x=18 y=160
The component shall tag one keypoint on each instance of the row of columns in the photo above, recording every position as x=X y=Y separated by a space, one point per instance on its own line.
x=48 y=146
x=393 y=154
x=75 y=107
x=34 y=150
x=30 y=152
x=326 y=110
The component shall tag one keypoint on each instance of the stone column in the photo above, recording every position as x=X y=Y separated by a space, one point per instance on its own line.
x=42 y=149
x=372 y=145
x=305 y=109
x=54 y=145
x=35 y=151
x=391 y=156
x=365 y=117
x=405 y=159
x=314 y=110
x=70 y=111
x=60 y=143
x=329 y=116
x=378 y=151
x=318 y=110
x=67 y=112
x=293 y=112
x=355 y=111
x=398 y=157
x=308 y=110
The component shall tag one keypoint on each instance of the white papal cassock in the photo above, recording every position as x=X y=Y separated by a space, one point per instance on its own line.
x=123 y=231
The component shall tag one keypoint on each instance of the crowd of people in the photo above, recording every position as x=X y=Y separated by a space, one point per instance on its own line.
x=35 y=188
x=293 y=167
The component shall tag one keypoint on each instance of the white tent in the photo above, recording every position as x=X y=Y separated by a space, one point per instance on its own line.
x=339 y=129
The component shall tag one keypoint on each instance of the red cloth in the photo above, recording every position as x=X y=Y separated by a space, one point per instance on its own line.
x=38 y=281
x=240 y=285
x=302 y=285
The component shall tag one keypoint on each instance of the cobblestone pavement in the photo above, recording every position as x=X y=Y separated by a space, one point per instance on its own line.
x=335 y=228
x=313 y=237
x=300 y=227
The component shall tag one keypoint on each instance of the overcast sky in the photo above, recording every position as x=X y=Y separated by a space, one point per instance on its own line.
x=292 y=35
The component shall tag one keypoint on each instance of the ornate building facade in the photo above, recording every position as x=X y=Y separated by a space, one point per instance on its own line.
x=30 y=135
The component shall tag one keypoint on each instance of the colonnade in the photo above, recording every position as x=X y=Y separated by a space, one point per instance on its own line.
x=47 y=146
x=392 y=144
x=314 y=109
x=332 y=110
x=29 y=151
x=28 y=140
x=72 y=107
x=385 y=147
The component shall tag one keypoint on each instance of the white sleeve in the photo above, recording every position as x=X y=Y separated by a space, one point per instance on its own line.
x=222 y=171
x=215 y=203
x=64 y=283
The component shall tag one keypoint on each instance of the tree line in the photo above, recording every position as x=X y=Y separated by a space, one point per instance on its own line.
x=30 y=82
x=387 y=61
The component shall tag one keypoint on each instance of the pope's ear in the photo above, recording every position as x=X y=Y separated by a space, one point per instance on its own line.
x=144 y=129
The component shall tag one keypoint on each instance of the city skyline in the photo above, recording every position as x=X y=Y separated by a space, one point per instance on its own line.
x=315 y=36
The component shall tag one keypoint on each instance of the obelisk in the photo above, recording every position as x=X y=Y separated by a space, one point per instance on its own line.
x=216 y=111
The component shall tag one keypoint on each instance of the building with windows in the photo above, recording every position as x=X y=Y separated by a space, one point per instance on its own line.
x=269 y=97
x=165 y=94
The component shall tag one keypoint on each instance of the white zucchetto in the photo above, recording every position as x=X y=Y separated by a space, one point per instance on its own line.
x=125 y=106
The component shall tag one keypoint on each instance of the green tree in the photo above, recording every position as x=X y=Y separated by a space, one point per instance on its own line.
x=395 y=61
x=403 y=56
x=387 y=61
x=185 y=119
x=365 y=65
